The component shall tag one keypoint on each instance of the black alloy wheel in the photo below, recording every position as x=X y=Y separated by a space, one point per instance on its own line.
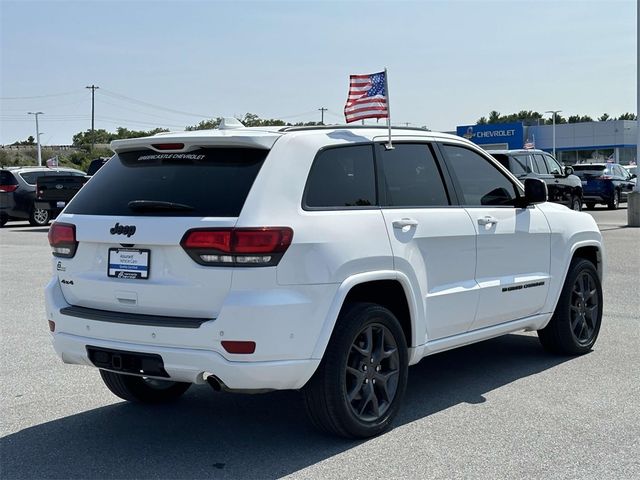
x=358 y=387
x=615 y=201
x=372 y=372
x=584 y=307
x=575 y=324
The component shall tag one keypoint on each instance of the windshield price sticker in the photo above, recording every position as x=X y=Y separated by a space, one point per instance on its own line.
x=131 y=263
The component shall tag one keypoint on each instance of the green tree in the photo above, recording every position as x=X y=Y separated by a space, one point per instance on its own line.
x=494 y=117
x=205 y=124
x=628 y=116
x=604 y=117
x=29 y=141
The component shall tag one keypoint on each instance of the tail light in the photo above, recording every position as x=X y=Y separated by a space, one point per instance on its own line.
x=237 y=247
x=605 y=177
x=62 y=238
x=8 y=188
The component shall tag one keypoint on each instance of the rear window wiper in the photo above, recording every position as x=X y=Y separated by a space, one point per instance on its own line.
x=150 y=205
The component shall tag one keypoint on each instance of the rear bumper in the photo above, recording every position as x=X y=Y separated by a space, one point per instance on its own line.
x=285 y=329
x=193 y=366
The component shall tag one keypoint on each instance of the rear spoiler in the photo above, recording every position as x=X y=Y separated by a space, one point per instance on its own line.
x=190 y=141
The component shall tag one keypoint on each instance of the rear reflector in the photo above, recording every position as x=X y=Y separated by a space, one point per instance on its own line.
x=233 y=346
x=8 y=188
x=168 y=146
x=247 y=247
x=62 y=238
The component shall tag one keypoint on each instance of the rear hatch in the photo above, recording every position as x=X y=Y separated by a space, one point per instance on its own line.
x=58 y=188
x=593 y=176
x=131 y=217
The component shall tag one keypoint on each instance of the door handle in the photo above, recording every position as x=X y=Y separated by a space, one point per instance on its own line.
x=405 y=222
x=488 y=220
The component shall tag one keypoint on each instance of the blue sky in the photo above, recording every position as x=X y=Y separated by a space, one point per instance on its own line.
x=450 y=62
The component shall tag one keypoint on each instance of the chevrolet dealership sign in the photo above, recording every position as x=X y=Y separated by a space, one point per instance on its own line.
x=508 y=133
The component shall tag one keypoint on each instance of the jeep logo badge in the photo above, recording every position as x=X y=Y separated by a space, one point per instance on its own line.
x=59 y=187
x=127 y=230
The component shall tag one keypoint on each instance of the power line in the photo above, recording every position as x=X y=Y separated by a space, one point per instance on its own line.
x=75 y=92
x=158 y=107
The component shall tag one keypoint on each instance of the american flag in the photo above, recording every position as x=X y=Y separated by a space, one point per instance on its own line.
x=367 y=97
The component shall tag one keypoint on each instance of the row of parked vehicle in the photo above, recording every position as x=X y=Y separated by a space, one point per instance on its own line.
x=573 y=186
x=38 y=194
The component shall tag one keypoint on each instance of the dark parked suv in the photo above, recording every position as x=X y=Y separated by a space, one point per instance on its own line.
x=18 y=193
x=563 y=186
x=607 y=183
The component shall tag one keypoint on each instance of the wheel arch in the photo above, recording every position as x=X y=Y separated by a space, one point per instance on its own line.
x=591 y=250
x=388 y=288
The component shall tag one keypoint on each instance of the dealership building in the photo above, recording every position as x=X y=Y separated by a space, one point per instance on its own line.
x=575 y=142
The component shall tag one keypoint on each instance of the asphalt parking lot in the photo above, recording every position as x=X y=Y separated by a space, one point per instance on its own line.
x=499 y=409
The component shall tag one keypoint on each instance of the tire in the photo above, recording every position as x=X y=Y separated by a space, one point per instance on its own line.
x=615 y=201
x=576 y=203
x=360 y=383
x=590 y=205
x=141 y=389
x=39 y=217
x=575 y=324
x=3 y=220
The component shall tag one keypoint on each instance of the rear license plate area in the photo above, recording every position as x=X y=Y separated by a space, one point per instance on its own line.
x=147 y=364
x=129 y=263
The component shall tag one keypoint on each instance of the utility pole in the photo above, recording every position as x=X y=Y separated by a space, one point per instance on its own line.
x=38 y=136
x=322 y=110
x=93 y=132
x=554 y=113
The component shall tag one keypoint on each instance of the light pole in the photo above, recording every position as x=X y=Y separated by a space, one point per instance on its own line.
x=38 y=136
x=553 y=117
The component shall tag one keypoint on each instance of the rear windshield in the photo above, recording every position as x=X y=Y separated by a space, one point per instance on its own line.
x=211 y=182
x=584 y=171
x=7 y=178
x=516 y=165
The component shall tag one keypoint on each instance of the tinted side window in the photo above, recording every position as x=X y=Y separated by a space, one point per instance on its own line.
x=481 y=183
x=552 y=166
x=539 y=165
x=412 y=177
x=342 y=177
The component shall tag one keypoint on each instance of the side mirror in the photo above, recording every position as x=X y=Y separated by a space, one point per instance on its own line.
x=568 y=170
x=535 y=191
x=633 y=175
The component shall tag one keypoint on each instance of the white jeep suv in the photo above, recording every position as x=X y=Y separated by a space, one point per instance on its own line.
x=310 y=258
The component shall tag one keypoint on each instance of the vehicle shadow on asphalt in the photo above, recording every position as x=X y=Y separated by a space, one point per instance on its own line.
x=216 y=435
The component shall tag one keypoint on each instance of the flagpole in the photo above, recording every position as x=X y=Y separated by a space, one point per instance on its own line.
x=386 y=91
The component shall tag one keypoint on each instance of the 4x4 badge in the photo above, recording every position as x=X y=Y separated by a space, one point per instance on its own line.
x=127 y=230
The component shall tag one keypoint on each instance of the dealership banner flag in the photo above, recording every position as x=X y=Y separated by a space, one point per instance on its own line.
x=368 y=98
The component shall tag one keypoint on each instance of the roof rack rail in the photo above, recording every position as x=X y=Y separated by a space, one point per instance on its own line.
x=337 y=127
